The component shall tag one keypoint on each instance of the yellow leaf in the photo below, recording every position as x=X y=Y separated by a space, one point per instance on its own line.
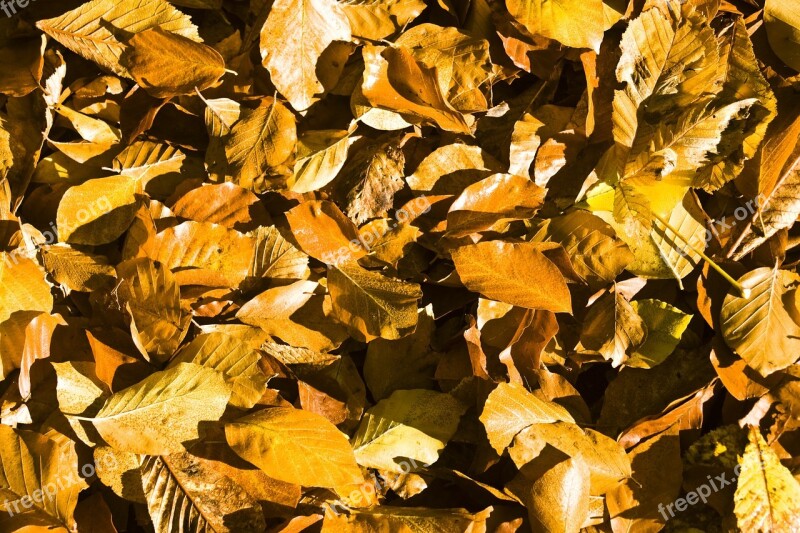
x=557 y=498
x=324 y=232
x=76 y=270
x=294 y=446
x=764 y=328
x=152 y=297
x=451 y=168
x=24 y=286
x=226 y=354
x=87 y=30
x=277 y=258
x=120 y=472
x=782 y=20
x=188 y=493
x=407 y=431
x=39 y=479
x=406 y=520
x=374 y=20
x=460 y=60
x=293 y=38
x=498 y=198
x=665 y=326
x=613 y=328
x=396 y=81
x=294 y=314
x=767 y=496
x=320 y=156
x=606 y=459
x=520 y=274
x=574 y=23
x=157 y=168
x=162 y=412
x=407 y=363
x=201 y=253
x=260 y=140
x=21 y=64
x=225 y=204
x=98 y=211
x=594 y=251
x=511 y=408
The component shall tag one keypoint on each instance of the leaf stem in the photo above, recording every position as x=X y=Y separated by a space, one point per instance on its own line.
x=743 y=291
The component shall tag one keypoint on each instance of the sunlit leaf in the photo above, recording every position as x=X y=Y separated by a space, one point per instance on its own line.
x=767 y=495
x=296 y=33
x=761 y=327
x=294 y=446
x=161 y=413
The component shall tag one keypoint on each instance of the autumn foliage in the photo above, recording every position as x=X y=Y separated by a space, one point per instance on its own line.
x=451 y=266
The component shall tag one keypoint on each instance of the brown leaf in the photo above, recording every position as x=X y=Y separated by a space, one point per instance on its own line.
x=167 y=65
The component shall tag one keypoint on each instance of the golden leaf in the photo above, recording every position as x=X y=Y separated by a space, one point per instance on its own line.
x=516 y=273
x=767 y=495
x=295 y=35
x=159 y=414
x=294 y=446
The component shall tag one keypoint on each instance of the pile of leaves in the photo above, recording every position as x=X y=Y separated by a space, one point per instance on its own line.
x=395 y=265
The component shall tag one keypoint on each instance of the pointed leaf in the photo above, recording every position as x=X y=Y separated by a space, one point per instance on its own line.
x=767 y=495
x=157 y=415
x=519 y=274
x=294 y=446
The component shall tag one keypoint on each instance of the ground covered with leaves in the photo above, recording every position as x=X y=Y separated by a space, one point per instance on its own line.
x=399 y=266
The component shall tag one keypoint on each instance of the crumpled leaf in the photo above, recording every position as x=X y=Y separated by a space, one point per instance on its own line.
x=151 y=296
x=614 y=329
x=396 y=81
x=461 y=62
x=371 y=19
x=186 y=493
x=500 y=197
x=259 y=141
x=406 y=519
x=372 y=304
